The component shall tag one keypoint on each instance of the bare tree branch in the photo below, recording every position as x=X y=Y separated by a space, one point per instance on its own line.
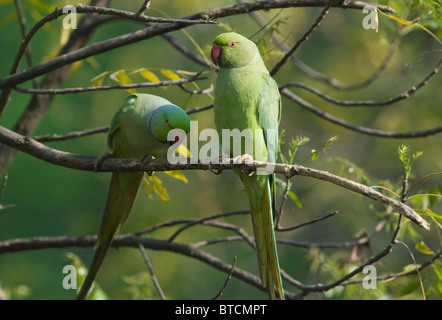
x=404 y=95
x=56 y=71
x=334 y=83
x=369 y=131
x=82 y=162
x=130 y=240
x=179 y=82
x=158 y=29
x=40 y=104
x=303 y=38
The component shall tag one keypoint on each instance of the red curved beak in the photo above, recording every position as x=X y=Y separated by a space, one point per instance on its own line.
x=215 y=53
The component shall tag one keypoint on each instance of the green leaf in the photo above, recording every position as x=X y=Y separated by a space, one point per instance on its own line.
x=410 y=287
x=404 y=156
x=438 y=272
x=423 y=248
x=295 y=199
x=315 y=154
x=403 y=152
x=95 y=293
x=327 y=145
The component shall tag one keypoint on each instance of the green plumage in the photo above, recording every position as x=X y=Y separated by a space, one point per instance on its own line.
x=140 y=127
x=246 y=97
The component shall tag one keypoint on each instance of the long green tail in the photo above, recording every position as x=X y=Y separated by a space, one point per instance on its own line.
x=123 y=190
x=262 y=219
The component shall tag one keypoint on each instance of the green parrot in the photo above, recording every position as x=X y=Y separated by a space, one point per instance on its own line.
x=144 y=125
x=247 y=99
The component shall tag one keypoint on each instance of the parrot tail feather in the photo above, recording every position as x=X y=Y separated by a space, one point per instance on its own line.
x=121 y=197
x=266 y=246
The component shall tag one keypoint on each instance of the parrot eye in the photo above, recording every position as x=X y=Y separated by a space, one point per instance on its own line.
x=166 y=122
x=232 y=45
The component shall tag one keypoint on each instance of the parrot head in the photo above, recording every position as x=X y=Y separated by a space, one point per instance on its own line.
x=232 y=50
x=169 y=123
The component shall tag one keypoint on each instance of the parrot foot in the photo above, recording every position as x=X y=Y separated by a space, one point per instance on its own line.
x=217 y=159
x=244 y=159
x=100 y=160
x=217 y=172
x=145 y=160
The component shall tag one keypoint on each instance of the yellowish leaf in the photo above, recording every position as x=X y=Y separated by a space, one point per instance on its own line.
x=159 y=189
x=422 y=247
x=147 y=188
x=186 y=73
x=404 y=22
x=98 y=80
x=8 y=18
x=183 y=151
x=410 y=23
x=170 y=74
x=64 y=36
x=148 y=75
x=93 y=62
x=177 y=175
x=2 y=2
x=121 y=77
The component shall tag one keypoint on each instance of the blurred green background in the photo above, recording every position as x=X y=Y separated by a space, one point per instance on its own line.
x=49 y=200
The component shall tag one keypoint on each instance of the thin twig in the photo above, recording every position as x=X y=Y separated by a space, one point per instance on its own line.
x=281 y=207
x=70 y=135
x=144 y=7
x=387 y=249
x=198 y=109
x=373 y=132
x=186 y=52
x=220 y=293
x=398 y=274
x=303 y=38
x=417 y=267
x=329 y=215
x=404 y=95
x=167 y=26
x=334 y=83
x=179 y=82
x=152 y=274
x=207 y=219
x=8 y=82
x=22 y=20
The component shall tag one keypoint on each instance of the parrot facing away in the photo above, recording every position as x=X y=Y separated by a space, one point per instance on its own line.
x=140 y=127
x=247 y=97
